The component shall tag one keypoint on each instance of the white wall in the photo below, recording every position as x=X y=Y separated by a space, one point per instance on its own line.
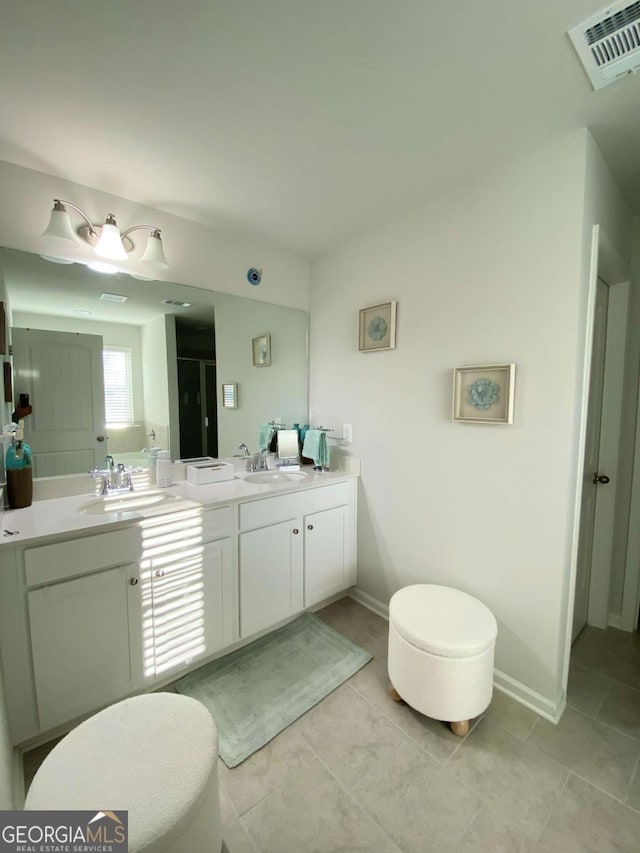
x=112 y=334
x=155 y=367
x=489 y=273
x=199 y=256
x=285 y=380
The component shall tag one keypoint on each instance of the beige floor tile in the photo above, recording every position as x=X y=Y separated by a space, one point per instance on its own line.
x=586 y=689
x=359 y=624
x=351 y=736
x=511 y=715
x=621 y=709
x=609 y=653
x=266 y=769
x=311 y=813
x=586 y=820
x=485 y=835
x=518 y=783
x=419 y=804
x=633 y=795
x=604 y=757
x=372 y=682
x=235 y=837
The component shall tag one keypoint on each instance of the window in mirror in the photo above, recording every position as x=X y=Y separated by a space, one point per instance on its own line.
x=230 y=395
x=118 y=386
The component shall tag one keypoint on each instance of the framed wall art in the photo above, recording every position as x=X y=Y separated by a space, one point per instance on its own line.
x=377 y=327
x=484 y=393
x=262 y=351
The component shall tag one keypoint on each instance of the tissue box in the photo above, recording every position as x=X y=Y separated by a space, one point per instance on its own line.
x=209 y=472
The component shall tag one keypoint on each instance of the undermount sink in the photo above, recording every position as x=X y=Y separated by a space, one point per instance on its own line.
x=126 y=502
x=266 y=478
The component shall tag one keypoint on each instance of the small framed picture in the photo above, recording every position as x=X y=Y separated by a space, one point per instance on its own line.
x=229 y=395
x=484 y=393
x=262 y=351
x=378 y=327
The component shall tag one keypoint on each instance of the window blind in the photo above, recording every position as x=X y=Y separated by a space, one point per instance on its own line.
x=118 y=386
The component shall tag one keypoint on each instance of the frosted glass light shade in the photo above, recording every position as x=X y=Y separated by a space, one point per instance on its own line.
x=154 y=253
x=110 y=243
x=59 y=227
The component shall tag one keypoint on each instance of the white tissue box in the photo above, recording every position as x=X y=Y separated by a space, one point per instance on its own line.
x=209 y=472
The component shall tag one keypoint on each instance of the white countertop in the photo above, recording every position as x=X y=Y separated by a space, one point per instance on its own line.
x=61 y=516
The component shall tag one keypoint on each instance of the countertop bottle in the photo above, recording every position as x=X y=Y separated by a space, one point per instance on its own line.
x=163 y=469
x=19 y=473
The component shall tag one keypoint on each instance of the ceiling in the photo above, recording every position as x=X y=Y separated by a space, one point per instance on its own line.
x=62 y=290
x=298 y=121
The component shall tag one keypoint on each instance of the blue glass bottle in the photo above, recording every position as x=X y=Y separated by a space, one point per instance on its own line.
x=19 y=473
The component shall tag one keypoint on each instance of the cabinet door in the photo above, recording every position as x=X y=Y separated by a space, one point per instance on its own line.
x=80 y=640
x=326 y=563
x=189 y=613
x=270 y=575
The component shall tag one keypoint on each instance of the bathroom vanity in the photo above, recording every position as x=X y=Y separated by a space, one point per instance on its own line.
x=97 y=605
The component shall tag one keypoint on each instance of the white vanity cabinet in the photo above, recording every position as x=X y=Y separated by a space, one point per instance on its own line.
x=82 y=632
x=271 y=575
x=91 y=618
x=73 y=640
x=295 y=550
x=188 y=589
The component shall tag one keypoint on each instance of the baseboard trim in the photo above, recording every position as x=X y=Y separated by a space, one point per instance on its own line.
x=369 y=601
x=615 y=621
x=546 y=708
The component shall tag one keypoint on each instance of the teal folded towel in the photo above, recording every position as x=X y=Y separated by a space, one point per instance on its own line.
x=315 y=447
x=266 y=431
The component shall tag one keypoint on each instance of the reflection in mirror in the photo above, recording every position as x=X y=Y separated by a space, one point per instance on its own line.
x=117 y=366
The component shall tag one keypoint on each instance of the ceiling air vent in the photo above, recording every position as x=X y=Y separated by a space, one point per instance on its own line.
x=608 y=43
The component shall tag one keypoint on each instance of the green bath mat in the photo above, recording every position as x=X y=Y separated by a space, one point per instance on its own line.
x=257 y=691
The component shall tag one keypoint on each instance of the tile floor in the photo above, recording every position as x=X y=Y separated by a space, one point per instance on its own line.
x=360 y=773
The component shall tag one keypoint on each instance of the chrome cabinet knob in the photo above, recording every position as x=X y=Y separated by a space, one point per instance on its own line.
x=600 y=478
x=160 y=573
x=134 y=581
x=309 y=526
x=295 y=531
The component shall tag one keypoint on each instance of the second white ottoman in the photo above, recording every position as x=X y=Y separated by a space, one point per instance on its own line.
x=155 y=756
x=441 y=650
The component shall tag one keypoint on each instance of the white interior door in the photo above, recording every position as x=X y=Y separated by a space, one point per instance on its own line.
x=587 y=547
x=63 y=376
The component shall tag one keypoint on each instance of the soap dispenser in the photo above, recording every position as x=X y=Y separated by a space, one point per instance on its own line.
x=19 y=472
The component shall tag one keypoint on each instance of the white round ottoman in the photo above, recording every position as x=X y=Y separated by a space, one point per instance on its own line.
x=441 y=648
x=155 y=756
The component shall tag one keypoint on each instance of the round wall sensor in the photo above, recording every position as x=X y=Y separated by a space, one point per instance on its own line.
x=254 y=276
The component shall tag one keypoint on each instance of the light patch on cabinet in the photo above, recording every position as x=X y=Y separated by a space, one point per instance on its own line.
x=172 y=590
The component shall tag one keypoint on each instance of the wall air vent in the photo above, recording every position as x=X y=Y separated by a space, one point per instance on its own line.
x=608 y=43
x=177 y=303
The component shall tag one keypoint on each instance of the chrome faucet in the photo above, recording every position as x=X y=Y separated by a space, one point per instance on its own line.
x=121 y=475
x=258 y=462
x=243 y=447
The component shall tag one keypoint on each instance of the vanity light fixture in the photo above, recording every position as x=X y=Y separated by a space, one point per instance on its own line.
x=106 y=240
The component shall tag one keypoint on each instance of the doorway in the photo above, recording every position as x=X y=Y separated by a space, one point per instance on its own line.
x=604 y=515
x=197 y=408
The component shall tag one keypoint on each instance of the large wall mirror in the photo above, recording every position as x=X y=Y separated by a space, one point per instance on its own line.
x=115 y=365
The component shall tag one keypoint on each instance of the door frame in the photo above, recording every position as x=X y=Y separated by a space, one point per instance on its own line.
x=605 y=262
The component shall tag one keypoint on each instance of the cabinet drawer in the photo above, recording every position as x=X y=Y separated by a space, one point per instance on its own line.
x=217 y=523
x=75 y=557
x=272 y=510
